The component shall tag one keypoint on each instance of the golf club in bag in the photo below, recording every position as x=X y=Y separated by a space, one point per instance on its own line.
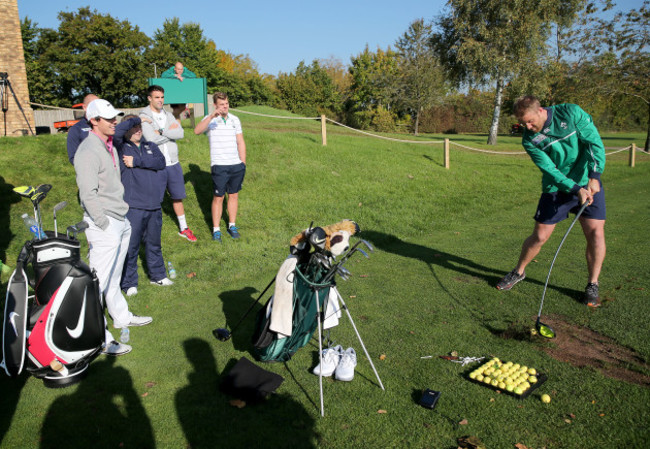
x=544 y=329
x=53 y=319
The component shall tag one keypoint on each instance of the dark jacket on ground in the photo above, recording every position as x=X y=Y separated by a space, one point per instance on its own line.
x=145 y=182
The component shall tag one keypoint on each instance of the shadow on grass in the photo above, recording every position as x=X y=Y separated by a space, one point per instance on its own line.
x=209 y=420
x=104 y=411
x=9 y=198
x=202 y=183
x=238 y=305
x=9 y=398
x=433 y=257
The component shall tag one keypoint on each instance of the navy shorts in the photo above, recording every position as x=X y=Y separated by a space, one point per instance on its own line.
x=227 y=178
x=555 y=207
x=175 y=182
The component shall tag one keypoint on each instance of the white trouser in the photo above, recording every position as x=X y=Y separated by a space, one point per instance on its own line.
x=107 y=250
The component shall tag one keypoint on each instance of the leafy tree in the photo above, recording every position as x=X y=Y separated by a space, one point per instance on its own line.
x=187 y=44
x=420 y=78
x=490 y=41
x=90 y=52
x=372 y=76
x=308 y=91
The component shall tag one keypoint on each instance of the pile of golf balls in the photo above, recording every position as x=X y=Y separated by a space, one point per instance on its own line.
x=509 y=376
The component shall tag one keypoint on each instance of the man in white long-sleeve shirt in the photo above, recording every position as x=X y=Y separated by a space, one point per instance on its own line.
x=161 y=128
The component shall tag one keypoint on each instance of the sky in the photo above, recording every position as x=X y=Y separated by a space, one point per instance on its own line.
x=276 y=35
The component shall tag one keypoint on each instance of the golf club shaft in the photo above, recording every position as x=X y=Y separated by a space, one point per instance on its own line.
x=251 y=306
x=566 y=234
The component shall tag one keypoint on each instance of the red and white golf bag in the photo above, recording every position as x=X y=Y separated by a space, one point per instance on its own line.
x=58 y=331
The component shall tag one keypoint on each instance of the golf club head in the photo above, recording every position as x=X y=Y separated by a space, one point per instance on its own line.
x=221 y=334
x=368 y=245
x=26 y=191
x=40 y=193
x=344 y=271
x=365 y=254
x=544 y=329
x=60 y=206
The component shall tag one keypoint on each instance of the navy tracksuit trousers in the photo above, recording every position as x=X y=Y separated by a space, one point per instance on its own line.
x=146 y=226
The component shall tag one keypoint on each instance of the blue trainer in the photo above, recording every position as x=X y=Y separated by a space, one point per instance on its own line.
x=234 y=233
x=216 y=235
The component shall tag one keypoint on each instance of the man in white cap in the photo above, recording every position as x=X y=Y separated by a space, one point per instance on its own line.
x=97 y=166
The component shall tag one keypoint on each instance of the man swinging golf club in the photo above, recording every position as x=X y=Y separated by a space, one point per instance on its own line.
x=565 y=145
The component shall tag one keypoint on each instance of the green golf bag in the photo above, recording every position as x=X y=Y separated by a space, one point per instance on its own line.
x=309 y=296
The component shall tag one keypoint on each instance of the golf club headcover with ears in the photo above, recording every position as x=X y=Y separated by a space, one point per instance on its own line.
x=346 y=225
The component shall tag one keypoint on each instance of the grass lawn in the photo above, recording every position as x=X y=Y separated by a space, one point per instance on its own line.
x=443 y=238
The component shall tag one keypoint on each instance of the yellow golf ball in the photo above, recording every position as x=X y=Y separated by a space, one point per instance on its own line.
x=546 y=398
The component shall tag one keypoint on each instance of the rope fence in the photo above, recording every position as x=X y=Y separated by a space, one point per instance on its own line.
x=633 y=149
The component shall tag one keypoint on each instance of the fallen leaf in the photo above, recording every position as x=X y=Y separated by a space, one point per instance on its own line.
x=601 y=414
x=521 y=446
x=568 y=421
x=144 y=395
x=382 y=357
x=463 y=422
x=412 y=332
x=453 y=354
x=410 y=176
x=353 y=296
x=593 y=402
x=149 y=384
x=191 y=275
x=360 y=204
x=457 y=233
x=363 y=275
x=381 y=411
x=237 y=403
x=492 y=399
x=572 y=416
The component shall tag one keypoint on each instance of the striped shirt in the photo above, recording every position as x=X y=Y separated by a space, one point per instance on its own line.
x=222 y=136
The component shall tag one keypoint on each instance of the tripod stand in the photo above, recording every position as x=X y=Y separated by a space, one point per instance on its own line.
x=5 y=88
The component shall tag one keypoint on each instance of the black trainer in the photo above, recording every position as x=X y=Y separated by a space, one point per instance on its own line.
x=510 y=279
x=592 y=298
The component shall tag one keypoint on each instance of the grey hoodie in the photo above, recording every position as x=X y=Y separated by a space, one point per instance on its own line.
x=98 y=178
x=168 y=138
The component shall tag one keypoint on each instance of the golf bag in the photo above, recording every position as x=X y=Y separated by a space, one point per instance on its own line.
x=309 y=296
x=61 y=330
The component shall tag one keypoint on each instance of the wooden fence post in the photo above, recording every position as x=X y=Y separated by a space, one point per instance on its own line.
x=447 y=153
x=323 y=129
x=632 y=154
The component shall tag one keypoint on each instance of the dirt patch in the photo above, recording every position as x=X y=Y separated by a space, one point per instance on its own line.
x=583 y=347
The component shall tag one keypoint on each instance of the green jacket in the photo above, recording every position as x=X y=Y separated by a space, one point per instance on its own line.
x=568 y=150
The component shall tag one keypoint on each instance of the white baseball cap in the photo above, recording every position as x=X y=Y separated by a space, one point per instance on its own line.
x=101 y=108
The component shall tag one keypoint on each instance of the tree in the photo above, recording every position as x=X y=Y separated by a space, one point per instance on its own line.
x=308 y=91
x=372 y=76
x=490 y=41
x=420 y=78
x=90 y=53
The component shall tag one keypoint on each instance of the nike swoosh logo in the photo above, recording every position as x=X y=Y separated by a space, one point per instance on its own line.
x=78 y=330
x=12 y=320
x=319 y=240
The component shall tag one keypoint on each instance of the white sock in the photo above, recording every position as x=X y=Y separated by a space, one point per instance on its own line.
x=230 y=225
x=215 y=229
x=182 y=223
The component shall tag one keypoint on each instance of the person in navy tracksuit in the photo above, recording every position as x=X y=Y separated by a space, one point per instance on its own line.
x=144 y=179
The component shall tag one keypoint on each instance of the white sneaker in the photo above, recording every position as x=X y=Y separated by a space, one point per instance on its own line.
x=115 y=348
x=136 y=321
x=345 y=368
x=131 y=291
x=331 y=357
x=163 y=282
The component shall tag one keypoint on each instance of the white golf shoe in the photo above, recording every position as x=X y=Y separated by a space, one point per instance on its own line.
x=345 y=369
x=331 y=358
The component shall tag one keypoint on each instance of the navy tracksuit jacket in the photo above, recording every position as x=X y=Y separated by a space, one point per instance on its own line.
x=144 y=188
